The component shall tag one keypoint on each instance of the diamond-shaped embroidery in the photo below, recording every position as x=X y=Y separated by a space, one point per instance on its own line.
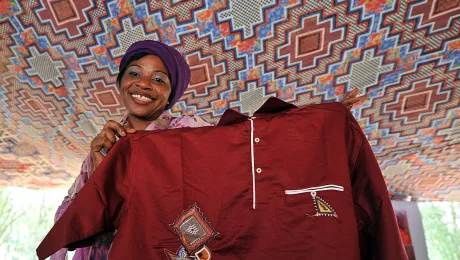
x=193 y=229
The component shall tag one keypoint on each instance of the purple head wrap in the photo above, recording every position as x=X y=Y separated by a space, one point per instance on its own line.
x=178 y=69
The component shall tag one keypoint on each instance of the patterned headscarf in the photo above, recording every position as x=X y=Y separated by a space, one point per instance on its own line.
x=178 y=69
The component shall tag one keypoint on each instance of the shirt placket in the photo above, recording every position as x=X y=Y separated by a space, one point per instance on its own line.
x=255 y=168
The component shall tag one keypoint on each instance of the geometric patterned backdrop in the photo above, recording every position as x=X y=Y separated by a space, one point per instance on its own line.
x=59 y=58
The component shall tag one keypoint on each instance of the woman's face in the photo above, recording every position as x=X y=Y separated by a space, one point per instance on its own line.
x=145 y=88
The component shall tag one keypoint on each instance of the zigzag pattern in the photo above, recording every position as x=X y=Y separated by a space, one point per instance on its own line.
x=59 y=60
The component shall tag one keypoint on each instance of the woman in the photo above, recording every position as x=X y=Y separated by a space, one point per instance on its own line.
x=152 y=78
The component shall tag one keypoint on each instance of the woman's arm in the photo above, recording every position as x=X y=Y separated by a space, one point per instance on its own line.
x=104 y=140
x=79 y=228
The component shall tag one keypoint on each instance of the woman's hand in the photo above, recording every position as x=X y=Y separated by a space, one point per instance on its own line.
x=106 y=139
x=350 y=99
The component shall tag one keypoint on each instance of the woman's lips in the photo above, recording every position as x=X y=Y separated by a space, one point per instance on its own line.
x=141 y=100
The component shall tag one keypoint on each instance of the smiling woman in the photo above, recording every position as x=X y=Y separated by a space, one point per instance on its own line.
x=145 y=89
x=152 y=78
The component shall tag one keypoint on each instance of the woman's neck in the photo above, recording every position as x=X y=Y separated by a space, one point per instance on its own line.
x=138 y=123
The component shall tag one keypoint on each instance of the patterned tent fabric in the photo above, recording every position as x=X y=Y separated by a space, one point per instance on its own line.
x=59 y=62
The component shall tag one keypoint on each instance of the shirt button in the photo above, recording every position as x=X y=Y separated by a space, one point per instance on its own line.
x=259 y=170
x=257 y=140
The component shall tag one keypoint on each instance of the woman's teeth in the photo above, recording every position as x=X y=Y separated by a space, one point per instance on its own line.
x=141 y=98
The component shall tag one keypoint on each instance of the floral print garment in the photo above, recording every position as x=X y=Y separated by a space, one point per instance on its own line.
x=100 y=248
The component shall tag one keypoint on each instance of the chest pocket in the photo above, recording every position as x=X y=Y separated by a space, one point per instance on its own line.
x=307 y=218
x=322 y=207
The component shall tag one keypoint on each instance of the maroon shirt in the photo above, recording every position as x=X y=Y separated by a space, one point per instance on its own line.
x=290 y=183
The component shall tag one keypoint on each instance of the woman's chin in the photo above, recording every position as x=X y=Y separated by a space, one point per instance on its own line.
x=148 y=113
x=141 y=110
x=145 y=115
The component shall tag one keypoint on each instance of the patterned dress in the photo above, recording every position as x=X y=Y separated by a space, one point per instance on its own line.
x=100 y=248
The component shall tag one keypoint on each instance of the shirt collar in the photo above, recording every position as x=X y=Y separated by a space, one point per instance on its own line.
x=271 y=106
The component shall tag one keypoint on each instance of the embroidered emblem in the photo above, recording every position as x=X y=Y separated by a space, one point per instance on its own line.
x=203 y=254
x=173 y=256
x=194 y=230
x=182 y=252
x=322 y=207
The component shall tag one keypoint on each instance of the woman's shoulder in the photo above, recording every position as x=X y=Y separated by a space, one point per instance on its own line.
x=188 y=121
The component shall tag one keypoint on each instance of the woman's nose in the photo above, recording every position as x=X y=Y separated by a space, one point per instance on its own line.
x=144 y=83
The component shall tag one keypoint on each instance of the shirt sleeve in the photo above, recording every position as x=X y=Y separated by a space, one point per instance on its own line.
x=98 y=205
x=377 y=226
x=82 y=178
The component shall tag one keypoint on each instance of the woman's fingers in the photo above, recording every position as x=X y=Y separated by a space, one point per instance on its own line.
x=350 y=99
x=107 y=144
x=106 y=139
x=352 y=94
x=100 y=142
x=97 y=143
x=109 y=134
x=130 y=130
x=116 y=127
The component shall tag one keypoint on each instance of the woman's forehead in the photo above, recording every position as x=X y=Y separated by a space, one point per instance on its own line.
x=149 y=62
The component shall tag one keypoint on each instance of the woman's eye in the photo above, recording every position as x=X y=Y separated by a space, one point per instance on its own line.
x=133 y=73
x=158 y=80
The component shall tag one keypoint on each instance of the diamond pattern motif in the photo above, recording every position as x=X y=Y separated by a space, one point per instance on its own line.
x=59 y=60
